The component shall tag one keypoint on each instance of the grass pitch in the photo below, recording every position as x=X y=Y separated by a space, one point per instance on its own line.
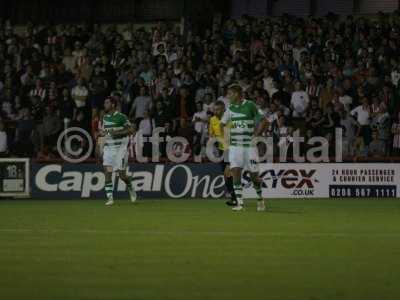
x=185 y=249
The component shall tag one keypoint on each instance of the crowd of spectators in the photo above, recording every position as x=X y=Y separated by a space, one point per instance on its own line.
x=309 y=74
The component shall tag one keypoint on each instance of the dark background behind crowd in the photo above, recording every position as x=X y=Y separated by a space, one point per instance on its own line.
x=312 y=74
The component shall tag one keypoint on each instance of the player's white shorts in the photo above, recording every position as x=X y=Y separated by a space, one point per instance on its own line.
x=116 y=157
x=244 y=157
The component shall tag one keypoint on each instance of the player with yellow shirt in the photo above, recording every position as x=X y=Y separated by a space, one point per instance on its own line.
x=216 y=132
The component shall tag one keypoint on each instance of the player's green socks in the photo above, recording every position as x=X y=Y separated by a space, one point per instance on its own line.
x=109 y=189
x=238 y=193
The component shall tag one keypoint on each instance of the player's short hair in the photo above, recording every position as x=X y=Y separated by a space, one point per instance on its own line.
x=236 y=88
x=220 y=103
x=112 y=100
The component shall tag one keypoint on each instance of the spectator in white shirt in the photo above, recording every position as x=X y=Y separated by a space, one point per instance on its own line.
x=224 y=97
x=299 y=101
x=200 y=120
x=363 y=117
x=140 y=105
x=3 y=141
x=146 y=126
x=346 y=100
x=69 y=60
x=80 y=94
x=362 y=113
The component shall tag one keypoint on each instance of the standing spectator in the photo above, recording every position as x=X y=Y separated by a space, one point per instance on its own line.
x=53 y=94
x=396 y=135
x=200 y=120
x=299 y=101
x=159 y=115
x=326 y=94
x=24 y=134
x=98 y=89
x=331 y=121
x=313 y=88
x=80 y=94
x=314 y=123
x=282 y=134
x=69 y=60
x=39 y=90
x=344 y=99
x=67 y=108
x=299 y=104
x=80 y=121
x=50 y=128
x=363 y=117
x=382 y=124
x=349 y=126
x=186 y=104
x=3 y=141
x=27 y=78
x=146 y=126
x=186 y=131
x=140 y=105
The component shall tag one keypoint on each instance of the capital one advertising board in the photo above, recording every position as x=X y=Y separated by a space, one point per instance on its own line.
x=71 y=181
x=281 y=180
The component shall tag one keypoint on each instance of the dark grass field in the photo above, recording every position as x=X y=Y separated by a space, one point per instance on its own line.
x=185 y=249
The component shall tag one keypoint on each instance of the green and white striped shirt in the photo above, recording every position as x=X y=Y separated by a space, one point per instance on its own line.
x=114 y=122
x=243 y=118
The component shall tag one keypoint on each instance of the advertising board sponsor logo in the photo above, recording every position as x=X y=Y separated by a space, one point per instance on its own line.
x=293 y=181
x=173 y=181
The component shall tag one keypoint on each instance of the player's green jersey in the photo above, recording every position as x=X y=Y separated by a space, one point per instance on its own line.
x=243 y=118
x=113 y=122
